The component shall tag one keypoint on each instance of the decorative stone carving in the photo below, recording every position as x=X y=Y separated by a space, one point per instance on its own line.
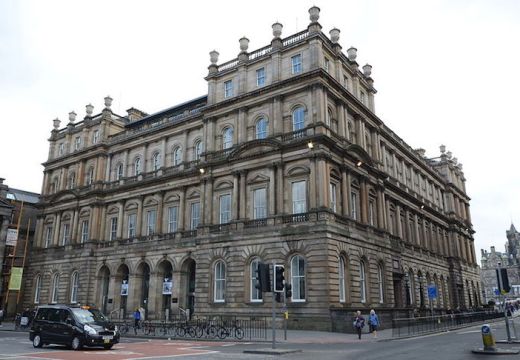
x=244 y=44
x=56 y=123
x=314 y=13
x=277 y=29
x=108 y=102
x=334 y=35
x=442 y=148
x=367 y=70
x=352 y=53
x=213 y=57
x=89 y=109
x=72 y=117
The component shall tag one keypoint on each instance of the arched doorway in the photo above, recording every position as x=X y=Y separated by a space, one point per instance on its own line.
x=165 y=278
x=143 y=286
x=122 y=279
x=104 y=281
x=188 y=283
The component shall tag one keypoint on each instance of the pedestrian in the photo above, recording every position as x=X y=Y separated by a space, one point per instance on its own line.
x=373 y=323
x=137 y=318
x=359 y=323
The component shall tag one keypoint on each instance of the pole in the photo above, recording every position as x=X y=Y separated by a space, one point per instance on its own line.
x=284 y=315
x=501 y=287
x=23 y=261
x=273 y=320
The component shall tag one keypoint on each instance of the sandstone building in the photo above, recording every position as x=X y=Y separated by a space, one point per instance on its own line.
x=509 y=259
x=282 y=160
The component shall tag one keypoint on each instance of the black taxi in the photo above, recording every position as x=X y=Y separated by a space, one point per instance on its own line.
x=74 y=326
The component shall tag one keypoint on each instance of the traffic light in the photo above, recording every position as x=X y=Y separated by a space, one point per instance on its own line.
x=279 y=278
x=503 y=286
x=263 y=280
x=288 y=291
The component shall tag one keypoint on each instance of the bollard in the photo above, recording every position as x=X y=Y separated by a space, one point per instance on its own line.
x=488 y=340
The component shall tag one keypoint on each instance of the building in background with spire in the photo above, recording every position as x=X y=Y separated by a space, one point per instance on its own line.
x=510 y=259
x=283 y=160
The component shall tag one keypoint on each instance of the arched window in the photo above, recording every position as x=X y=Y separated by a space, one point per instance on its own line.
x=381 y=283
x=354 y=200
x=298 y=118
x=74 y=286
x=156 y=161
x=37 y=289
x=219 y=281
x=341 y=279
x=256 y=295
x=177 y=156
x=362 y=282
x=197 y=150
x=227 y=138
x=119 y=171
x=372 y=208
x=90 y=176
x=298 y=278
x=55 y=288
x=137 y=166
x=261 y=128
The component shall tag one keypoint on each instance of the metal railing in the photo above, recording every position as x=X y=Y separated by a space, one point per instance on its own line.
x=432 y=324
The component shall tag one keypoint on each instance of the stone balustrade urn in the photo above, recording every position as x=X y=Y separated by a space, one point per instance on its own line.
x=244 y=44
x=72 y=116
x=108 y=102
x=352 y=53
x=89 y=109
x=56 y=123
x=277 y=29
x=213 y=57
x=367 y=70
x=334 y=35
x=314 y=13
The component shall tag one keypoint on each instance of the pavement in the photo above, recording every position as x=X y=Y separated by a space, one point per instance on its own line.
x=293 y=336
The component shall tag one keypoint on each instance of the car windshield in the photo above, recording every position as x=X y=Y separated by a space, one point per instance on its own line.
x=88 y=315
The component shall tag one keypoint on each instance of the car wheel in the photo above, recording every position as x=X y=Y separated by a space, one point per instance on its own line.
x=37 y=341
x=108 y=347
x=76 y=343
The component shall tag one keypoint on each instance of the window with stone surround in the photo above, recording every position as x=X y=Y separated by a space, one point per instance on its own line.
x=195 y=215
x=151 y=221
x=362 y=282
x=119 y=171
x=380 y=282
x=48 y=236
x=65 y=234
x=197 y=150
x=299 y=197
x=177 y=156
x=227 y=138
x=255 y=294
x=113 y=228
x=71 y=184
x=298 y=118
x=260 y=77
x=95 y=137
x=132 y=225
x=173 y=212
x=77 y=143
x=37 y=289
x=298 y=278
x=74 y=287
x=228 y=88
x=341 y=278
x=260 y=203
x=84 y=231
x=219 y=280
x=261 y=128
x=333 y=196
x=225 y=208
x=55 y=288
x=137 y=166
x=156 y=161
x=296 y=64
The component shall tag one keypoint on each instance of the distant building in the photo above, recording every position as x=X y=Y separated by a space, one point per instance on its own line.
x=509 y=259
x=17 y=223
x=283 y=160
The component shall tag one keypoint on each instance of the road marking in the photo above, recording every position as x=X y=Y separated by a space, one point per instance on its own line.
x=468 y=332
x=169 y=356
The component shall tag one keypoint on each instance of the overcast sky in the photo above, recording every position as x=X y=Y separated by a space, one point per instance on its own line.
x=447 y=72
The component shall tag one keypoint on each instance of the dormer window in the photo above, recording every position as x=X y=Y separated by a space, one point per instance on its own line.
x=228 y=88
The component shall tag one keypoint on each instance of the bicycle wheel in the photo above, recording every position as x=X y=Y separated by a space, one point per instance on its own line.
x=199 y=331
x=239 y=333
x=223 y=333
x=191 y=331
x=212 y=331
x=180 y=331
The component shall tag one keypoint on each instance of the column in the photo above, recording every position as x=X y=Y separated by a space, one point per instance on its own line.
x=163 y=152
x=108 y=167
x=242 y=125
x=322 y=183
x=75 y=221
x=234 y=200
x=363 y=201
x=272 y=190
x=133 y=299
x=313 y=196
x=182 y=208
x=280 y=186
x=380 y=210
x=185 y=147
x=340 y=110
x=160 y=212
x=127 y=165
x=344 y=192
x=277 y=119
x=114 y=290
x=398 y=218
x=120 y=220
x=154 y=306
x=202 y=209
x=210 y=135
x=139 y=217
x=102 y=223
x=416 y=229
x=243 y=196
x=57 y=226
x=208 y=219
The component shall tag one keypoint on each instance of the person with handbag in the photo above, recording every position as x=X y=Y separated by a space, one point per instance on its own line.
x=359 y=323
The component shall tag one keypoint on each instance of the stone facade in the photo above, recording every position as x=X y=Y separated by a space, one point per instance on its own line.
x=510 y=259
x=285 y=161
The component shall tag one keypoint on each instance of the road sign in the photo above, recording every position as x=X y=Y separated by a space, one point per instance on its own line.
x=432 y=291
x=497 y=292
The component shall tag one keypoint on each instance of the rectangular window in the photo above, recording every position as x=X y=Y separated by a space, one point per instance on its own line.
x=353 y=205
x=95 y=137
x=172 y=218
x=65 y=239
x=228 y=88
x=299 y=198
x=260 y=77
x=333 y=197
x=296 y=64
x=195 y=215
x=84 y=231
x=113 y=228
x=327 y=65
x=362 y=97
x=345 y=82
x=260 y=203
x=371 y=213
x=77 y=143
x=151 y=219
x=48 y=236
x=225 y=208
x=132 y=220
x=61 y=147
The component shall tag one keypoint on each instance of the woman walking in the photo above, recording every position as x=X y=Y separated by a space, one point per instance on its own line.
x=359 y=323
x=373 y=323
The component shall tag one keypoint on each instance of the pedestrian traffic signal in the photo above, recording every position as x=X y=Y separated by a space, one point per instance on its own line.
x=263 y=280
x=288 y=291
x=503 y=286
x=279 y=279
